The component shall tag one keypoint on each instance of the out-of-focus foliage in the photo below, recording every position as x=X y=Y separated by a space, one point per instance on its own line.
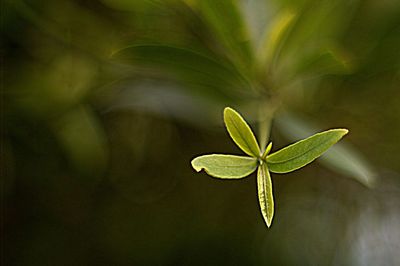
x=104 y=103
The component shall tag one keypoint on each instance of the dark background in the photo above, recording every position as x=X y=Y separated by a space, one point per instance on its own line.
x=105 y=103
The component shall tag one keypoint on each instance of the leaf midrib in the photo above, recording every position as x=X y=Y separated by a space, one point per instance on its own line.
x=234 y=165
x=295 y=157
x=240 y=133
x=265 y=193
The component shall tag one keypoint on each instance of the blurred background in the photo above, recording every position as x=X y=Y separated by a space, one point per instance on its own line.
x=105 y=102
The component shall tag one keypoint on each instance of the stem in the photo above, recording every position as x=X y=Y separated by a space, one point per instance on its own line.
x=265 y=120
x=266 y=114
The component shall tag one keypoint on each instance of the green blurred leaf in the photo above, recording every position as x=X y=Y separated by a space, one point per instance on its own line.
x=316 y=64
x=342 y=158
x=274 y=37
x=310 y=39
x=198 y=69
x=330 y=61
x=129 y=5
x=55 y=87
x=240 y=132
x=84 y=142
x=226 y=22
x=225 y=166
x=303 y=152
x=88 y=31
x=265 y=195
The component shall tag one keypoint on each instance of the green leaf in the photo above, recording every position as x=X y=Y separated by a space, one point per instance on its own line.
x=274 y=37
x=224 y=19
x=240 y=132
x=225 y=166
x=203 y=71
x=267 y=150
x=265 y=196
x=329 y=60
x=303 y=152
x=342 y=158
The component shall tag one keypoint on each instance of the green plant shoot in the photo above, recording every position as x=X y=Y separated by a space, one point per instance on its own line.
x=286 y=160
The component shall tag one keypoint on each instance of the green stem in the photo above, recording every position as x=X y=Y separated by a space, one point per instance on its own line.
x=265 y=117
x=266 y=113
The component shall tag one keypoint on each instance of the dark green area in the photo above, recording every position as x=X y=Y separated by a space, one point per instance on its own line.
x=104 y=103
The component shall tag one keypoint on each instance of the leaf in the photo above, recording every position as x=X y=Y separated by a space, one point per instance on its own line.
x=265 y=195
x=267 y=150
x=240 y=132
x=342 y=158
x=224 y=19
x=274 y=37
x=348 y=161
x=203 y=71
x=83 y=140
x=225 y=166
x=303 y=152
x=310 y=34
x=327 y=61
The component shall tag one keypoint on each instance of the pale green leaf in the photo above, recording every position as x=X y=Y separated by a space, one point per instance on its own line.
x=342 y=158
x=265 y=195
x=240 y=132
x=303 y=152
x=267 y=150
x=225 y=166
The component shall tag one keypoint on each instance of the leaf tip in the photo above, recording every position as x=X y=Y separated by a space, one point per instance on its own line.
x=269 y=218
x=228 y=110
x=269 y=222
x=195 y=165
x=342 y=131
x=267 y=151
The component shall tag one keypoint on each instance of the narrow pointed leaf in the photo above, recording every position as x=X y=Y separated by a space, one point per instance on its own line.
x=342 y=158
x=265 y=195
x=303 y=152
x=275 y=36
x=225 y=166
x=240 y=132
x=267 y=150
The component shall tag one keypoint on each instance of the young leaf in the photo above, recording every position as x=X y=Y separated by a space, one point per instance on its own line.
x=267 y=150
x=240 y=132
x=303 y=152
x=265 y=195
x=342 y=158
x=225 y=166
